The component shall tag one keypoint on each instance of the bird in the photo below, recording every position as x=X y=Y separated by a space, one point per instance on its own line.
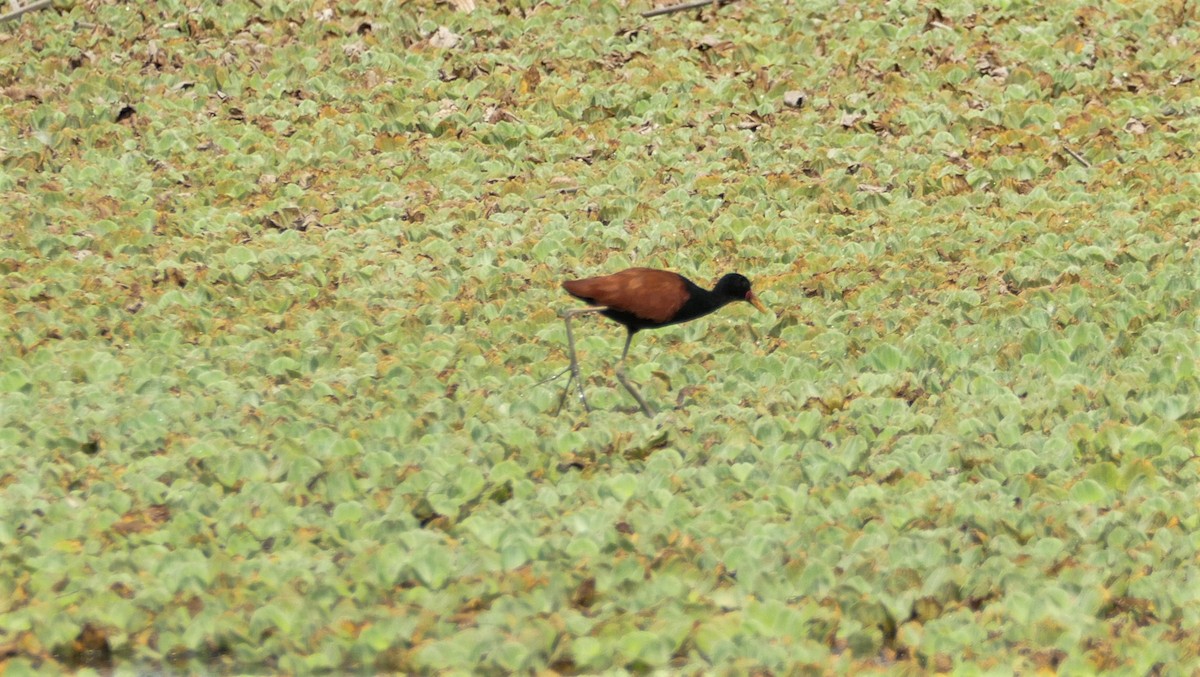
x=645 y=298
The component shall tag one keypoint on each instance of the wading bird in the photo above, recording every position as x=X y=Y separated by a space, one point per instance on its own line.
x=643 y=298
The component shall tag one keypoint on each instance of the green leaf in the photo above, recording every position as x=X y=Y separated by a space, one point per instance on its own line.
x=886 y=358
x=1020 y=462
x=350 y=512
x=589 y=652
x=512 y=656
x=807 y=423
x=741 y=471
x=1089 y=491
x=1107 y=475
x=506 y=471
x=19 y=666
x=622 y=487
x=272 y=617
x=470 y=482
x=284 y=366
x=13 y=380
x=644 y=649
x=242 y=272
x=347 y=448
x=433 y=565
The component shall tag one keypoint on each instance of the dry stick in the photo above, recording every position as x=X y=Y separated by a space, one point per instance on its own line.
x=1078 y=158
x=684 y=7
x=560 y=191
x=27 y=8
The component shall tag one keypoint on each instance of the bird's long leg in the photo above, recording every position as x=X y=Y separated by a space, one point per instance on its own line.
x=575 y=375
x=620 y=371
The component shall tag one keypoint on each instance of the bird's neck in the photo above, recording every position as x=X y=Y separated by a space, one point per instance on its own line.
x=700 y=303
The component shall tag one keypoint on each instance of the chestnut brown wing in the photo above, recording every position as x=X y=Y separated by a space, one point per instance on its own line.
x=654 y=295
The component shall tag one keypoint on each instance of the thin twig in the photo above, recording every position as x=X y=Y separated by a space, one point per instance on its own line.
x=39 y=4
x=1078 y=158
x=551 y=378
x=683 y=7
x=559 y=191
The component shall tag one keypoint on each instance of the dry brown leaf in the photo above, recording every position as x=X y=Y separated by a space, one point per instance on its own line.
x=494 y=114
x=444 y=38
x=794 y=98
x=986 y=65
x=585 y=595
x=139 y=521
x=849 y=119
x=712 y=42
x=530 y=79
x=446 y=107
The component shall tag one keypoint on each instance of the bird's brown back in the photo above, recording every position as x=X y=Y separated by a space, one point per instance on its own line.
x=654 y=295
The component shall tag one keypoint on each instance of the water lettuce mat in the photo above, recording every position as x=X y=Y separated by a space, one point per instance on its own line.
x=279 y=280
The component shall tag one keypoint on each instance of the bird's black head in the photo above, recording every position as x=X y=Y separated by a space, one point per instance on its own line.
x=736 y=287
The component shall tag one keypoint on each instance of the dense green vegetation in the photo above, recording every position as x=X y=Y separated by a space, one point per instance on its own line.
x=279 y=279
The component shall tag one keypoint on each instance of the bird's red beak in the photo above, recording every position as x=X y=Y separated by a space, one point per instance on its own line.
x=753 y=300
